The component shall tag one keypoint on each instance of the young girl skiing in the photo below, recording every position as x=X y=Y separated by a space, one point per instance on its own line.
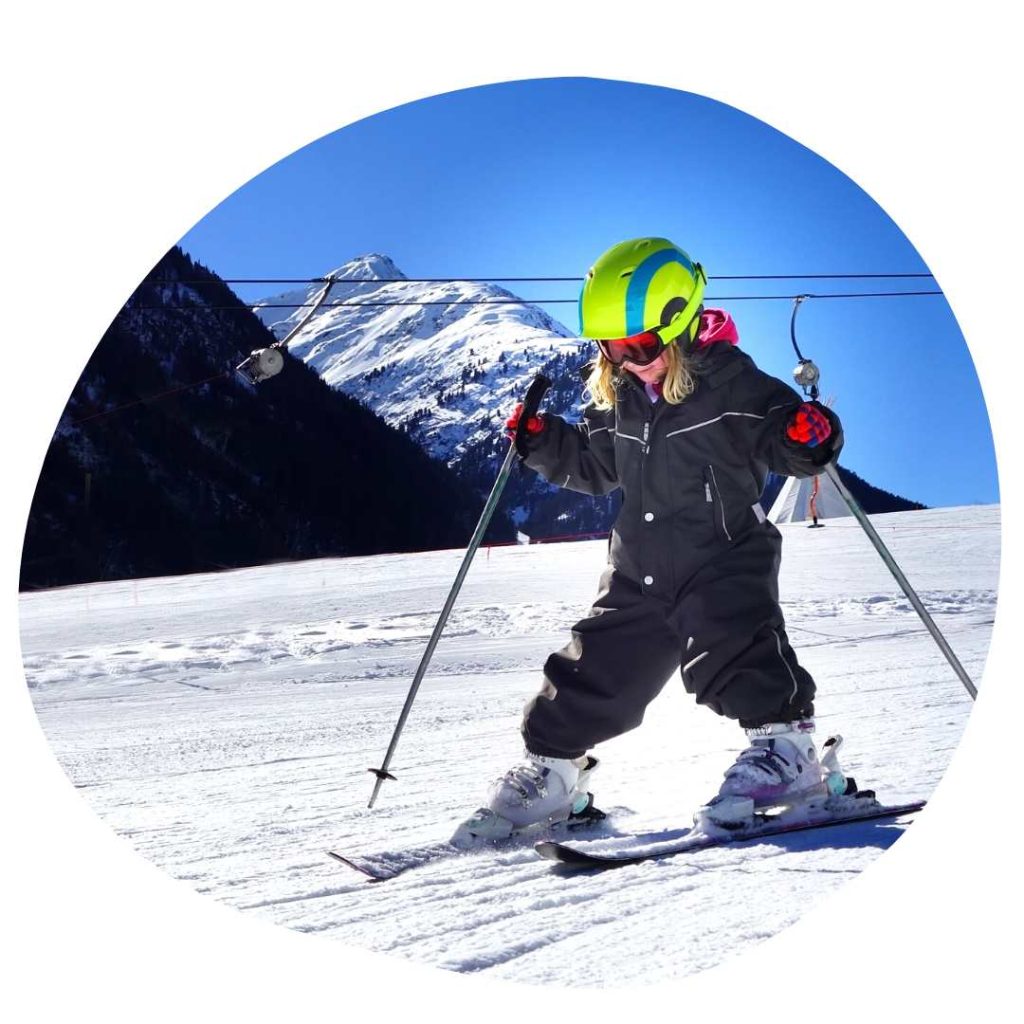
x=687 y=427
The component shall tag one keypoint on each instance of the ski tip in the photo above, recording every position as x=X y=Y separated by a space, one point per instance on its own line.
x=567 y=856
x=370 y=876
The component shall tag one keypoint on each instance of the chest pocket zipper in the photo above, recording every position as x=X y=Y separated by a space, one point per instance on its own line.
x=714 y=497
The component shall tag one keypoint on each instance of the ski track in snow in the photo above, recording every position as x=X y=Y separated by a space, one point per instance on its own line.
x=223 y=724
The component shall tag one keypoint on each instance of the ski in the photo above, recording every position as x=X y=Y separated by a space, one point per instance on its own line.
x=379 y=867
x=694 y=840
x=385 y=865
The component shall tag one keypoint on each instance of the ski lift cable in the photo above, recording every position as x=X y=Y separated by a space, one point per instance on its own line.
x=151 y=398
x=270 y=363
x=318 y=302
x=549 y=280
x=529 y=302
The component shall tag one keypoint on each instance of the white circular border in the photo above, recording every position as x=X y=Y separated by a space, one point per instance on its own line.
x=119 y=145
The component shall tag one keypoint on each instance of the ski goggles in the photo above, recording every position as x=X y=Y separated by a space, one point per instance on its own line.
x=639 y=349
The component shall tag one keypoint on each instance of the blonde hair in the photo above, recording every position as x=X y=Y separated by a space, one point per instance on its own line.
x=677 y=386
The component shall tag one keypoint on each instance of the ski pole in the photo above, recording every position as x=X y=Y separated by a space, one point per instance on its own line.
x=832 y=472
x=531 y=403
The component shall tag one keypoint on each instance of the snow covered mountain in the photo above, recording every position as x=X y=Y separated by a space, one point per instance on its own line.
x=442 y=360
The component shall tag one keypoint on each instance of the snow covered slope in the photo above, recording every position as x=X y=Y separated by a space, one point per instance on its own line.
x=443 y=368
x=224 y=724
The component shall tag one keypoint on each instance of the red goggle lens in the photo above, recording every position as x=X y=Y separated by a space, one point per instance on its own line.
x=640 y=349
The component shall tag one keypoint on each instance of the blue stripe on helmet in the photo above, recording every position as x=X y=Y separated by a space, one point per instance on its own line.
x=636 y=292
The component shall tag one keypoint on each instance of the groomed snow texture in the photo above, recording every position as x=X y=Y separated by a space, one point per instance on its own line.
x=223 y=724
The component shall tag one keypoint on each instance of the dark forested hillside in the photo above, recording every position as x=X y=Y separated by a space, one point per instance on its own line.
x=167 y=461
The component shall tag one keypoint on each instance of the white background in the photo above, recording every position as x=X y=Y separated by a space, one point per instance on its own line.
x=124 y=125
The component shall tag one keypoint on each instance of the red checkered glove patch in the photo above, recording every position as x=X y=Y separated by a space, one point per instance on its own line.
x=808 y=426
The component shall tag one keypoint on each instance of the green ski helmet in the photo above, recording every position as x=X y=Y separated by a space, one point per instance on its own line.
x=643 y=284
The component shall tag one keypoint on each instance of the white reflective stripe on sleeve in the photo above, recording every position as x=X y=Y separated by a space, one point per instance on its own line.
x=691 y=663
x=707 y=423
x=759 y=512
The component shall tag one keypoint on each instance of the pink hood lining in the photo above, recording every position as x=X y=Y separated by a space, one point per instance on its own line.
x=716 y=325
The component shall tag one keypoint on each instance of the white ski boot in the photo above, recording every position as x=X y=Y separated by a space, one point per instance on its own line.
x=779 y=769
x=537 y=792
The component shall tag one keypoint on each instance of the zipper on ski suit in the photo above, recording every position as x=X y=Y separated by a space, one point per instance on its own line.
x=645 y=448
x=714 y=497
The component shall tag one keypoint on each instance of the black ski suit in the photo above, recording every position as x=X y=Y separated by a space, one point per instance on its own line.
x=692 y=576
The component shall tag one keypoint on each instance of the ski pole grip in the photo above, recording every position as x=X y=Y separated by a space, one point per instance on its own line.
x=531 y=404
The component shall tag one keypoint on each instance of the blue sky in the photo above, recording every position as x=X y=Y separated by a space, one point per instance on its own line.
x=537 y=178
